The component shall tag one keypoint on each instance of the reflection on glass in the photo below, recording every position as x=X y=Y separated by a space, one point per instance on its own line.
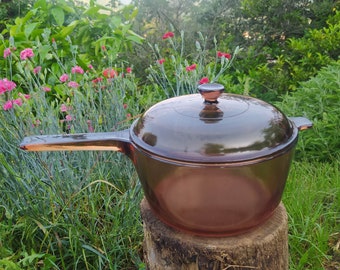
x=211 y=114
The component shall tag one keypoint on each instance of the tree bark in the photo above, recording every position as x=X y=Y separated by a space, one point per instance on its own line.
x=263 y=248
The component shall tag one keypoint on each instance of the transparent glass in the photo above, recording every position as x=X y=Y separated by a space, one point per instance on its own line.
x=213 y=200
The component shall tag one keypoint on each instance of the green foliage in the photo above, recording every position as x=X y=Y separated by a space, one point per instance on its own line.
x=176 y=74
x=81 y=34
x=80 y=210
x=10 y=9
x=276 y=20
x=277 y=70
x=312 y=199
x=318 y=99
x=219 y=19
x=66 y=210
x=284 y=42
x=70 y=220
x=315 y=50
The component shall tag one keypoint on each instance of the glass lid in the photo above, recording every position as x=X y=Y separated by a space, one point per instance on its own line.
x=213 y=127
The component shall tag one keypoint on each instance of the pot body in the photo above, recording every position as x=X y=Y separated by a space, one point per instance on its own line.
x=212 y=166
x=213 y=200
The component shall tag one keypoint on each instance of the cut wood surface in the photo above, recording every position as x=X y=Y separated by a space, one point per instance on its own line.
x=265 y=247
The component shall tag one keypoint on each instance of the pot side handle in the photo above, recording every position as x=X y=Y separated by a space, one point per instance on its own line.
x=111 y=141
x=301 y=123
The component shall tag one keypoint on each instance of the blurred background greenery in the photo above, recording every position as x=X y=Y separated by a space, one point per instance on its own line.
x=81 y=210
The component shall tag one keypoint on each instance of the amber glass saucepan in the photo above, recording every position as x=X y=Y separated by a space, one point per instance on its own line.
x=211 y=164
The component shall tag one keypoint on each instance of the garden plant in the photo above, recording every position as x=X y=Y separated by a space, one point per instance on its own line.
x=68 y=68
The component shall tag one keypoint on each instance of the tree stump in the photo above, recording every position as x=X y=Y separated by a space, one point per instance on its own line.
x=263 y=248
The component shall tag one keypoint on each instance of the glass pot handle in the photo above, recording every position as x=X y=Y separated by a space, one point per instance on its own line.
x=211 y=92
x=302 y=123
x=112 y=141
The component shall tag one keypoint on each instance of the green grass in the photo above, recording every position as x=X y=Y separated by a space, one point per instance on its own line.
x=74 y=223
x=312 y=199
x=90 y=225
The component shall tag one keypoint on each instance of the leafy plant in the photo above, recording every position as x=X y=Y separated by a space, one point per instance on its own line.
x=85 y=35
x=176 y=74
x=66 y=210
x=318 y=99
x=277 y=69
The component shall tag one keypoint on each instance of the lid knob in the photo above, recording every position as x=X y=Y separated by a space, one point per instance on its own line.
x=211 y=92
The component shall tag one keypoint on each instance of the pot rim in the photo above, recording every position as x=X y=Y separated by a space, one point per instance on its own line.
x=272 y=153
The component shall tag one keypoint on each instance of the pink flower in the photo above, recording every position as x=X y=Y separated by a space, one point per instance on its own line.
x=26 y=53
x=97 y=80
x=190 y=68
x=161 y=61
x=204 y=80
x=25 y=96
x=90 y=66
x=73 y=84
x=46 y=89
x=125 y=106
x=65 y=108
x=8 y=105
x=17 y=101
x=168 y=35
x=37 y=69
x=103 y=48
x=128 y=69
x=64 y=78
x=222 y=54
x=77 y=69
x=6 y=86
x=68 y=118
x=7 y=52
x=110 y=73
